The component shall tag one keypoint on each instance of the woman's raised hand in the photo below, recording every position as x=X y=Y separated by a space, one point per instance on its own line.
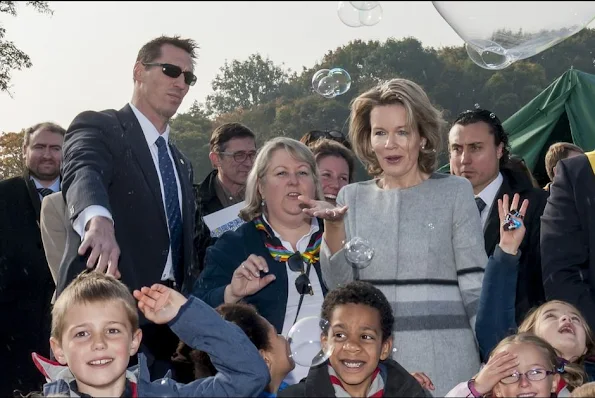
x=246 y=279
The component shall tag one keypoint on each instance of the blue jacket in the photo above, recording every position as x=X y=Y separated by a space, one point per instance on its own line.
x=496 y=313
x=241 y=369
x=222 y=259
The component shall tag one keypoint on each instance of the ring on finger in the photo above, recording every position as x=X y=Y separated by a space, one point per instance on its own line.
x=334 y=213
x=243 y=265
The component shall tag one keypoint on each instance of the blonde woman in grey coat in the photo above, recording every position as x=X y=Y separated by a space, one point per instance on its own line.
x=424 y=227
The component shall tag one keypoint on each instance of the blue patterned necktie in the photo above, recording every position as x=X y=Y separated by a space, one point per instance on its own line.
x=172 y=204
x=480 y=204
x=44 y=191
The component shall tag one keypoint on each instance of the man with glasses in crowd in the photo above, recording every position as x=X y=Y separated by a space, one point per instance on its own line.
x=128 y=189
x=232 y=153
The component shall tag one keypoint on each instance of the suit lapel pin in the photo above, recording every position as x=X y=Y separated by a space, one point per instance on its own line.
x=182 y=161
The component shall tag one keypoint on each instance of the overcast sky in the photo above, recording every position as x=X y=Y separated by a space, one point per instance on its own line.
x=83 y=55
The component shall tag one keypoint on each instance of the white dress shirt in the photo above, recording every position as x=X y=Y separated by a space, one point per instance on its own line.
x=54 y=187
x=311 y=305
x=151 y=135
x=488 y=195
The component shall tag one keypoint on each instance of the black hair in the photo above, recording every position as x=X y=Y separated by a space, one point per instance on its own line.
x=490 y=118
x=190 y=364
x=364 y=293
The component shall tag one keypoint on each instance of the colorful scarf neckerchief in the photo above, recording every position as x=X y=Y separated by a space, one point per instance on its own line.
x=279 y=252
x=376 y=389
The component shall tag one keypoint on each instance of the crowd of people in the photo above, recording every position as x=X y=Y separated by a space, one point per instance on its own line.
x=119 y=276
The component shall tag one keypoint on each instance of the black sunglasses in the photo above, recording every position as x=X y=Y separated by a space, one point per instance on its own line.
x=302 y=283
x=329 y=134
x=174 y=71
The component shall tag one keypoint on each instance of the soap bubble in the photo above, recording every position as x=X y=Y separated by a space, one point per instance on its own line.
x=497 y=34
x=331 y=82
x=348 y=14
x=364 y=5
x=352 y=15
x=359 y=252
x=371 y=17
x=318 y=76
x=305 y=343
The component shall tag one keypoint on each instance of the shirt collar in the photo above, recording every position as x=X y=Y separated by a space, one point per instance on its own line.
x=54 y=187
x=314 y=227
x=149 y=129
x=488 y=194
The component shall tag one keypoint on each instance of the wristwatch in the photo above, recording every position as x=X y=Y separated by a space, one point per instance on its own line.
x=474 y=392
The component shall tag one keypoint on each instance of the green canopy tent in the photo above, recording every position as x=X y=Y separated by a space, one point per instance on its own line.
x=564 y=111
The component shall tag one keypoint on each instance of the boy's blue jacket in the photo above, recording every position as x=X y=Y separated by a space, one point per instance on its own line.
x=241 y=369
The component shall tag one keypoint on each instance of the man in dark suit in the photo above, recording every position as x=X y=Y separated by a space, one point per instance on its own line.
x=25 y=281
x=478 y=147
x=128 y=189
x=568 y=236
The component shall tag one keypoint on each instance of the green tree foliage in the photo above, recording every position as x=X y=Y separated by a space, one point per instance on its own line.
x=191 y=131
x=274 y=102
x=11 y=58
x=11 y=154
x=245 y=84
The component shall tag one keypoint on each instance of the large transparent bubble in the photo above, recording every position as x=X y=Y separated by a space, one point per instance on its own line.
x=359 y=252
x=305 y=343
x=359 y=13
x=497 y=34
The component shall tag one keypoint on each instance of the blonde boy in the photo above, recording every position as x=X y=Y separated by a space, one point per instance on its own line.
x=95 y=331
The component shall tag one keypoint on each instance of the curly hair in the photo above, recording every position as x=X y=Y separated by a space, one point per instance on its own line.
x=359 y=292
x=496 y=129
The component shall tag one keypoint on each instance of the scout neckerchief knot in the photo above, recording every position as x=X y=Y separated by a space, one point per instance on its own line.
x=311 y=255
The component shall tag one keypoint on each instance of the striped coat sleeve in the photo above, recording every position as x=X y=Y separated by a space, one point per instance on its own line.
x=468 y=245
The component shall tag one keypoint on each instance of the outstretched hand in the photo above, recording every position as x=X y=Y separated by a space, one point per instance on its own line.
x=159 y=303
x=322 y=209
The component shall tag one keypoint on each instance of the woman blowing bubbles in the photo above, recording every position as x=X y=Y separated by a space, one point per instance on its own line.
x=424 y=226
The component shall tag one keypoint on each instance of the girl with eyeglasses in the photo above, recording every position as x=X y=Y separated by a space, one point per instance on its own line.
x=522 y=365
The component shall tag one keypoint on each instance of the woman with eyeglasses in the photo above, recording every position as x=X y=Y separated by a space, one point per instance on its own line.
x=272 y=261
x=424 y=227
